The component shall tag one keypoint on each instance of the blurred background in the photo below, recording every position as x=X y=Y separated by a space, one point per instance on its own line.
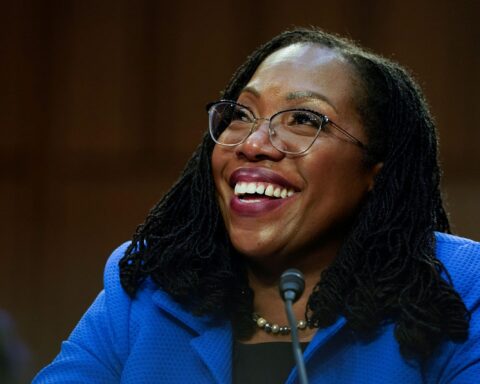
x=102 y=103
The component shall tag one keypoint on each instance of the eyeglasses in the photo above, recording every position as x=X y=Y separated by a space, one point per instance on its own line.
x=292 y=131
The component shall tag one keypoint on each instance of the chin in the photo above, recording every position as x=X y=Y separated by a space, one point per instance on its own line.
x=253 y=250
x=250 y=251
x=254 y=242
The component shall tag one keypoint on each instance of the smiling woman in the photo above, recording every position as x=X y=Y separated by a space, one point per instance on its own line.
x=320 y=156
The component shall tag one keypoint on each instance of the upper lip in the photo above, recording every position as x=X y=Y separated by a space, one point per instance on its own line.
x=259 y=175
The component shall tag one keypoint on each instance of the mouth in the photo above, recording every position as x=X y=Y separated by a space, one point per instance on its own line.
x=258 y=191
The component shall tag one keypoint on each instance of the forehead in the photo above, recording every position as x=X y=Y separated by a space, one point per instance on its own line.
x=308 y=53
x=306 y=67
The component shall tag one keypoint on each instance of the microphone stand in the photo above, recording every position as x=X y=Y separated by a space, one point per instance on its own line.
x=297 y=351
x=291 y=288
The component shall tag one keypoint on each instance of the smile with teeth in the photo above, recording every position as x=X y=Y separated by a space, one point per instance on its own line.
x=244 y=188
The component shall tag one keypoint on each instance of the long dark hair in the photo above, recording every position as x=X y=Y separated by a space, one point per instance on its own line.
x=386 y=270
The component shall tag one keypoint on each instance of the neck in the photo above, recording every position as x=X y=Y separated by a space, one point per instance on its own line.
x=267 y=300
x=264 y=282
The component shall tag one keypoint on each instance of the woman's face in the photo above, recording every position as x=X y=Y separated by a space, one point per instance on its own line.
x=328 y=182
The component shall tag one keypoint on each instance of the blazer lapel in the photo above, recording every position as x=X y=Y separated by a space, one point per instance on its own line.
x=213 y=343
x=320 y=338
x=214 y=347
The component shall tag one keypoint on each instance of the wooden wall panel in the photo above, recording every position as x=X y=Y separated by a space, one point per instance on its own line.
x=102 y=103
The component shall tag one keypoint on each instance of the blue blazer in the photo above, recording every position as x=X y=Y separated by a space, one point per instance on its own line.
x=152 y=339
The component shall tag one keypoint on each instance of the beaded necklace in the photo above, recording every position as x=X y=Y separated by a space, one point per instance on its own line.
x=276 y=329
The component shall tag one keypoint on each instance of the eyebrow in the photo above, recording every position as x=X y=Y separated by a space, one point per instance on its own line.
x=310 y=95
x=297 y=95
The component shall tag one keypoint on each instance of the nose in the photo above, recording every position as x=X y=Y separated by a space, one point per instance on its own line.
x=257 y=146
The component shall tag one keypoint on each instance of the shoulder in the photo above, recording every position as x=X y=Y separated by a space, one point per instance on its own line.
x=112 y=268
x=146 y=309
x=456 y=251
x=119 y=303
x=115 y=295
x=111 y=276
x=459 y=362
x=447 y=241
x=461 y=258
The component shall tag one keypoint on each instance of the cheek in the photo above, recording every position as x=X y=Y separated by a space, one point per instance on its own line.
x=327 y=167
x=338 y=179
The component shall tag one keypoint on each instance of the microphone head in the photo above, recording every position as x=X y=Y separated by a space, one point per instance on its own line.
x=292 y=284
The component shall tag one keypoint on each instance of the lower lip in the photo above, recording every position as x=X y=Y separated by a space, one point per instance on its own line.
x=256 y=207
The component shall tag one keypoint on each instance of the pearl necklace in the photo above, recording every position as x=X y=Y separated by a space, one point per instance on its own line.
x=275 y=328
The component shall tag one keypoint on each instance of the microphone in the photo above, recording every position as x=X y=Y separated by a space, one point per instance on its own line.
x=292 y=284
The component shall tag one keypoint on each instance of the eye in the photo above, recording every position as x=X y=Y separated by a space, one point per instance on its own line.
x=297 y=123
x=304 y=118
x=240 y=115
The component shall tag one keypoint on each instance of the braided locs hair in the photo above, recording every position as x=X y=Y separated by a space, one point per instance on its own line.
x=386 y=269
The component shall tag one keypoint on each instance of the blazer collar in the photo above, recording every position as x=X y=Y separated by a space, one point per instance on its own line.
x=213 y=342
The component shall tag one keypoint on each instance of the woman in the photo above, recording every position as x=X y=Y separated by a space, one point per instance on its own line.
x=322 y=157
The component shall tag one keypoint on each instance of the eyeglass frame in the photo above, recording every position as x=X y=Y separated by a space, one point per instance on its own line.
x=324 y=118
